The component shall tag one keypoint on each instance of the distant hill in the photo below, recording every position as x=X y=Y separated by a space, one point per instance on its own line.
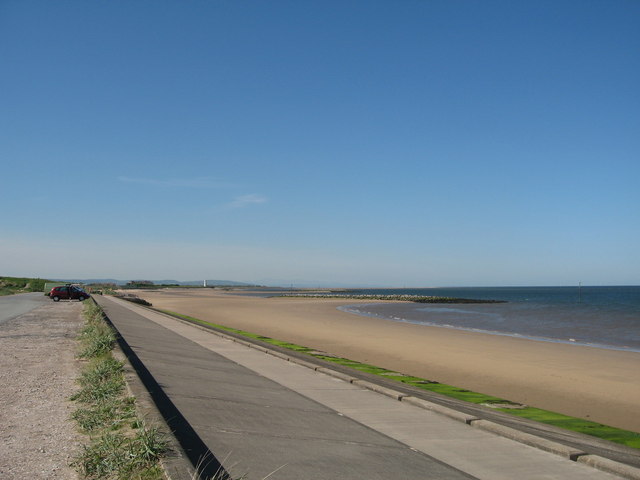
x=90 y=280
x=211 y=283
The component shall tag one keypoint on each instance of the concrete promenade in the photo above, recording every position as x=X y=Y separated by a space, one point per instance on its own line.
x=259 y=414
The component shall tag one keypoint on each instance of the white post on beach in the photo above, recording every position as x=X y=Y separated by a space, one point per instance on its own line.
x=204 y=284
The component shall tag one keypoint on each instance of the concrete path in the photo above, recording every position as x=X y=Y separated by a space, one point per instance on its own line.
x=259 y=414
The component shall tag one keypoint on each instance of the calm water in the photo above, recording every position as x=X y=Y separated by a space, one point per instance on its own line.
x=605 y=317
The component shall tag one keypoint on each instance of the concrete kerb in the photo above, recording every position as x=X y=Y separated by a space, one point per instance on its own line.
x=528 y=439
x=336 y=374
x=302 y=363
x=283 y=356
x=610 y=466
x=434 y=407
x=380 y=389
x=595 y=461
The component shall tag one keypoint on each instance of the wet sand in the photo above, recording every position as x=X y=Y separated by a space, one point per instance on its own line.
x=597 y=384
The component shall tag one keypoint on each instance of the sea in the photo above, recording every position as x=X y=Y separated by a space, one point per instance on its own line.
x=603 y=317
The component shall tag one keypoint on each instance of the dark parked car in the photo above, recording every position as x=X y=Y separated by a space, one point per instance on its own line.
x=68 y=292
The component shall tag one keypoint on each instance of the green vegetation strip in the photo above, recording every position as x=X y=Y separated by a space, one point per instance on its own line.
x=121 y=446
x=624 y=437
x=13 y=285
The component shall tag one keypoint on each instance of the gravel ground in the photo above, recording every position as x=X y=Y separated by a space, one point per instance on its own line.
x=37 y=377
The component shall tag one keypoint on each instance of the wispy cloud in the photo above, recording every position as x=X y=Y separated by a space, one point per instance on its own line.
x=240 y=201
x=198 y=182
x=246 y=200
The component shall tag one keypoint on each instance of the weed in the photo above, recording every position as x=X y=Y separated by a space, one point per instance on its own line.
x=99 y=391
x=101 y=370
x=111 y=414
x=116 y=455
x=96 y=338
x=147 y=445
x=102 y=457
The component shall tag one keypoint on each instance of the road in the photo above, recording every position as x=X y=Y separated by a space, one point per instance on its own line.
x=13 y=305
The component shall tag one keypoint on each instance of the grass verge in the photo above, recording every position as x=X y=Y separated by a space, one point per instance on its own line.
x=13 y=285
x=121 y=446
x=617 y=435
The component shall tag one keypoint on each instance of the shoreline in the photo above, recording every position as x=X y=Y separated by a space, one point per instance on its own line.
x=347 y=309
x=596 y=384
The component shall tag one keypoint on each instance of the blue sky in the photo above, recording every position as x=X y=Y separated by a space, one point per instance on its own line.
x=393 y=143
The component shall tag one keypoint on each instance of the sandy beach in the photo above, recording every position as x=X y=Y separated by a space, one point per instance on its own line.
x=597 y=384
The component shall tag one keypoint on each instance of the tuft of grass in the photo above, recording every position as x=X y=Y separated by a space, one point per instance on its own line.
x=97 y=388
x=612 y=434
x=112 y=414
x=148 y=444
x=100 y=370
x=118 y=456
x=96 y=338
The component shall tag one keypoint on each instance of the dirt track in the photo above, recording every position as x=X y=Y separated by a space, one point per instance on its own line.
x=37 y=355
